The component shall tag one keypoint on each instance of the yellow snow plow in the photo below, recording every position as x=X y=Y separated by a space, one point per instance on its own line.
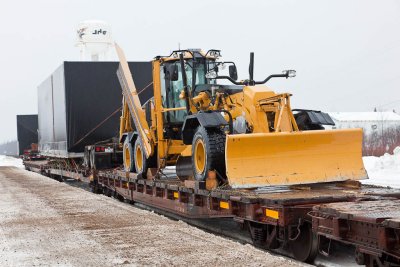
x=288 y=158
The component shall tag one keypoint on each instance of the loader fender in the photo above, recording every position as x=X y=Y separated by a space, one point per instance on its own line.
x=205 y=119
x=131 y=137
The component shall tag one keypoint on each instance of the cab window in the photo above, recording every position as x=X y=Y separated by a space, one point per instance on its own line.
x=170 y=91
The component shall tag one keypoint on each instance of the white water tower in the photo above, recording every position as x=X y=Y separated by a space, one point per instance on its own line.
x=94 y=39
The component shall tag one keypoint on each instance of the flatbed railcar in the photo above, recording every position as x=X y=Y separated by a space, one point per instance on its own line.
x=303 y=220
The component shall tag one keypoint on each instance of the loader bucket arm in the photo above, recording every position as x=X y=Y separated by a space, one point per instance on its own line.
x=288 y=158
x=132 y=99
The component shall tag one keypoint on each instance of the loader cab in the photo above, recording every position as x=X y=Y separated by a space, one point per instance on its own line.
x=172 y=85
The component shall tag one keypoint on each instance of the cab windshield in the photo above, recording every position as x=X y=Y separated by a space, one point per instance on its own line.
x=170 y=90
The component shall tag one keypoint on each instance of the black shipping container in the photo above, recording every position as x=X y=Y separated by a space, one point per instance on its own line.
x=79 y=105
x=27 y=131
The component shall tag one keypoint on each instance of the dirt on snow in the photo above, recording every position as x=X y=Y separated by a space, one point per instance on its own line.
x=45 y=222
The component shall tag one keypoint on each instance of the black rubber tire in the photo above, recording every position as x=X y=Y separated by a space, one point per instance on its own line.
x=142 y=171
x=214 y=142
x=128 y=145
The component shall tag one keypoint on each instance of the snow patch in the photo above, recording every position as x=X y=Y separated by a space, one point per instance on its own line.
x=365 y=116
x=384 y=170
x=10 y=161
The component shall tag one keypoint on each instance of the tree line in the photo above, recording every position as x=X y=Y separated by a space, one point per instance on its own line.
x=381 y=142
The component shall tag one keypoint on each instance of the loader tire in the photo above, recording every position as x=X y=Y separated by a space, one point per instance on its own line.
x=129 y=165
x=139 y=156
x=208 y=153
x=141 y=163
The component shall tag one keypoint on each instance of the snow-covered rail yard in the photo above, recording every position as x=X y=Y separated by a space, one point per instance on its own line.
x=268 y=136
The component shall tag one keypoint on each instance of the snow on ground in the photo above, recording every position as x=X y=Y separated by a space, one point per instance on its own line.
x=384 y=170
x=10 y=161
x=47 y=223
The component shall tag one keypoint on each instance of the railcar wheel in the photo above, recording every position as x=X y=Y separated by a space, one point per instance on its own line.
x=86 y=158
x=108 y=192
x=208 y=152
x=92 y=160
x=304 y=245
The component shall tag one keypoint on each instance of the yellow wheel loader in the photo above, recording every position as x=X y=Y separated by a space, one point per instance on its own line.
x=243 y=133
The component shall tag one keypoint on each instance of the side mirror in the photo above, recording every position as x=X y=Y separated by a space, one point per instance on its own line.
x=233 y=72
x=173 y=72
x=289 y=73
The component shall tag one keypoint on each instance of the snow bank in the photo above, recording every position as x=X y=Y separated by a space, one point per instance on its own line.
x=384 y=170
x=10 y=161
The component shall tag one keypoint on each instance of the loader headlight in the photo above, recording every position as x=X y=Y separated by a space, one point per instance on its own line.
x=289 y=73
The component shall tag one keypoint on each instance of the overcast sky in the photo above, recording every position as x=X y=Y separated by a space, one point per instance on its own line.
x=346 y=53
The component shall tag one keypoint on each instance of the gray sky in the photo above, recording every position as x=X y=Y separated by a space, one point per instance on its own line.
x=346 y=53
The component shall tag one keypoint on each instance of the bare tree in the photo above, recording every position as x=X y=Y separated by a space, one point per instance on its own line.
x=379 y=143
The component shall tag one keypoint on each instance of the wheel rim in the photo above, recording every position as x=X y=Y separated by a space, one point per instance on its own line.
x=199 y=156
x=139 y=158
x=127 y=157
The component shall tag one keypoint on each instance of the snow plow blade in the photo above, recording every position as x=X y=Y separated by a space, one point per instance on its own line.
x=289 y=158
